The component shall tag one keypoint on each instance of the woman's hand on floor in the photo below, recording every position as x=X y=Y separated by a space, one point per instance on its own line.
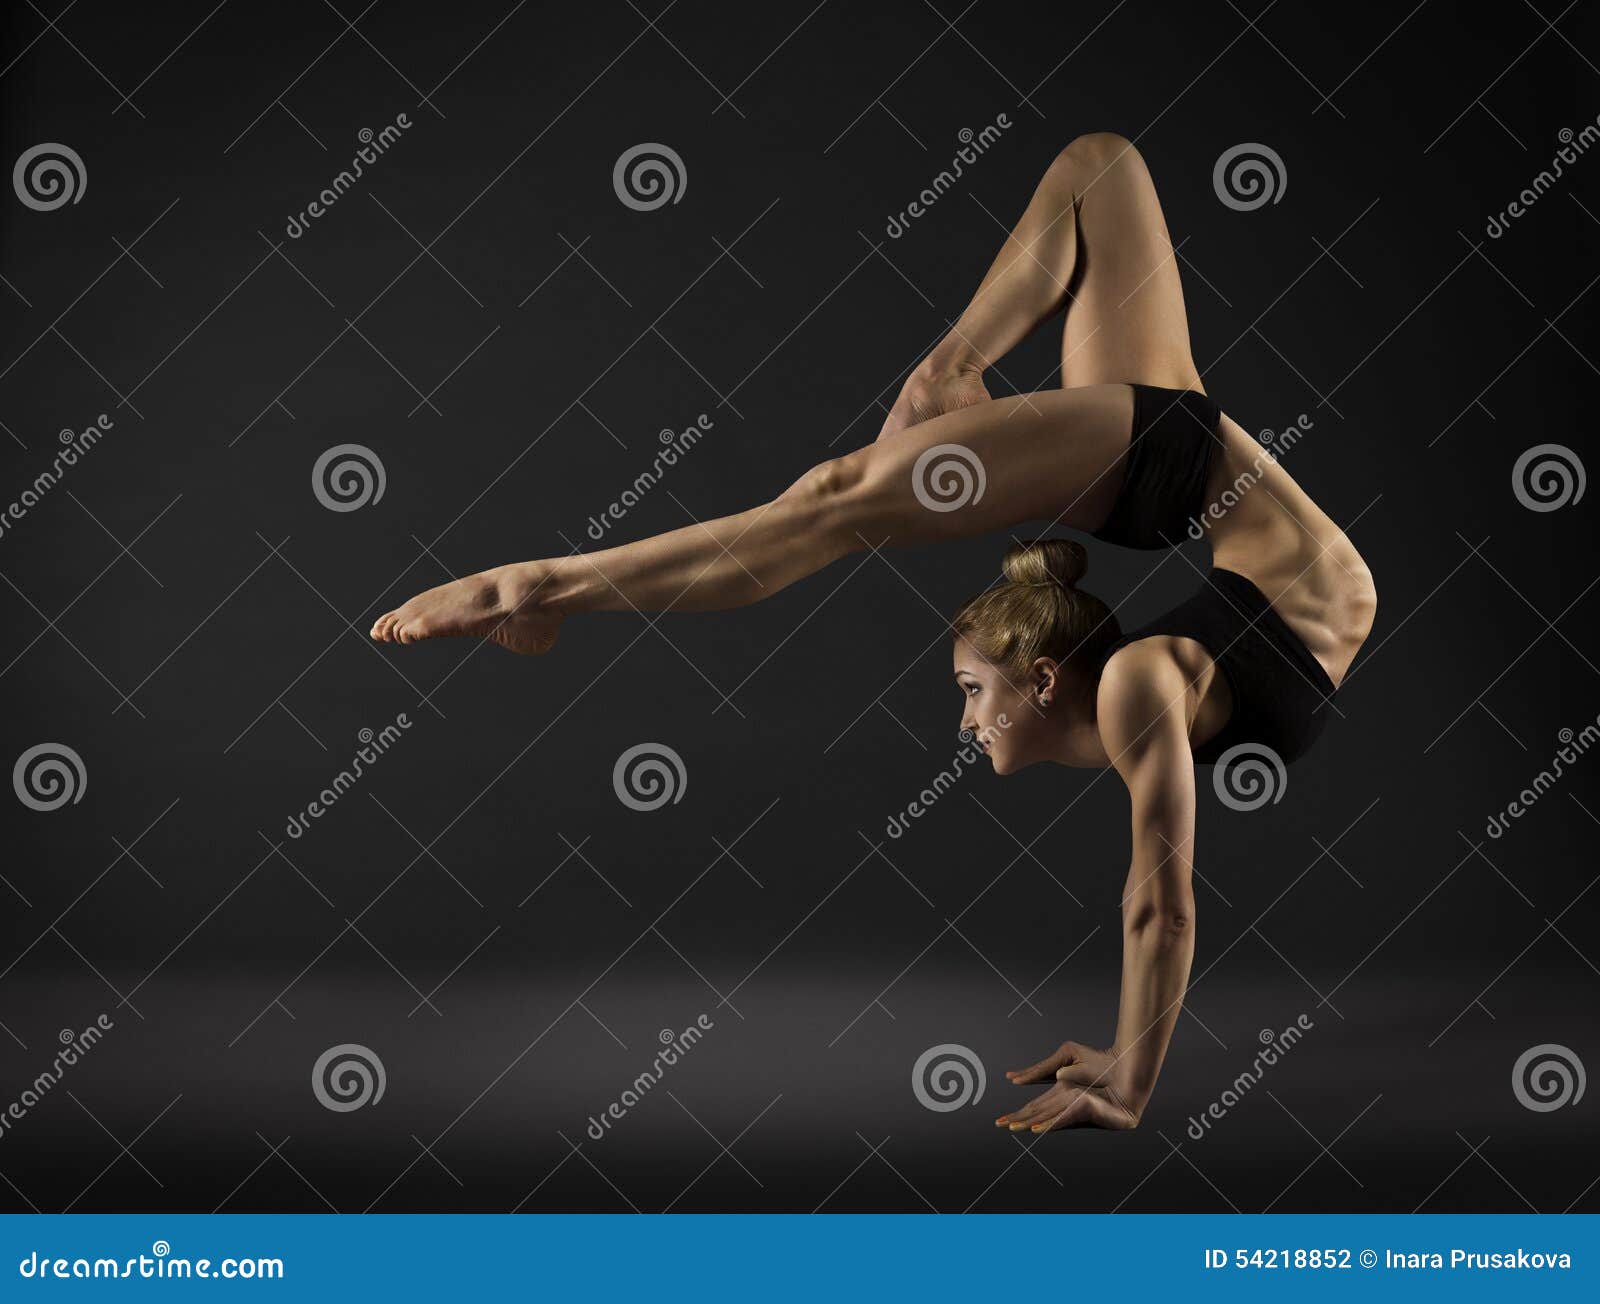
x=1088 y=1089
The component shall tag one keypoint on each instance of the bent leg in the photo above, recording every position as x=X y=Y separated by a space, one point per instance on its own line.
x=1054 y=457
x=1093 y=241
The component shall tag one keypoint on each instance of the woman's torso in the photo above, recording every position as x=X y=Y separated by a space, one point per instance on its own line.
x=1269 y=530
x=1265 y=527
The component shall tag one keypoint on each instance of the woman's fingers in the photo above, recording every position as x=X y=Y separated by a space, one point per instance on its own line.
x=1041 y=1106
x=1080 y=1074
x=1046 y=1068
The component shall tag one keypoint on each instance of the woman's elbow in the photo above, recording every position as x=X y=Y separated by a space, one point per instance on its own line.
x=1172 y=918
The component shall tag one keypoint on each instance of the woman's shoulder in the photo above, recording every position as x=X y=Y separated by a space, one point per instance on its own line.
x=1142 y=683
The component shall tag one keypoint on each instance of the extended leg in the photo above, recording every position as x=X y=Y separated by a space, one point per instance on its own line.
x=1053 y=457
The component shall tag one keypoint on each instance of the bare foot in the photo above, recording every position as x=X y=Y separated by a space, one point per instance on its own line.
x=501 y=605
x=925 y=396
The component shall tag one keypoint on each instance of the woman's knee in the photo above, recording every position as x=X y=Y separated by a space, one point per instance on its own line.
x=1098 y=150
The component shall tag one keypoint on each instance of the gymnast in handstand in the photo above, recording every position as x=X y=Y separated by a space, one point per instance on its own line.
x=1130 y=450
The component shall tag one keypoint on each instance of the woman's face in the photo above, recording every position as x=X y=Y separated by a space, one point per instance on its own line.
x=1004 y=717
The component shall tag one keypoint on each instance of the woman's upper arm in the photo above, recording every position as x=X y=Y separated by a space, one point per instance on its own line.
x=1144 y=725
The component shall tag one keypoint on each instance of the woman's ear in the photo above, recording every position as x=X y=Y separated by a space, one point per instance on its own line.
x=1044 y=677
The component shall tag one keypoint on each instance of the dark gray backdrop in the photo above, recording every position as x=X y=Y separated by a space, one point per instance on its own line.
x=481 y=912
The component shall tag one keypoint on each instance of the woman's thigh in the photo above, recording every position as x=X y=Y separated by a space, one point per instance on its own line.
x=1126 y=320
x=1056 y=457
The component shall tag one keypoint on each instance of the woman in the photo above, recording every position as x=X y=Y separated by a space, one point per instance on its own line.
x=1130 y=450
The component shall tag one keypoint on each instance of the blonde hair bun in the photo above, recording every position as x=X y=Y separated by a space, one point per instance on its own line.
x=1046 y=561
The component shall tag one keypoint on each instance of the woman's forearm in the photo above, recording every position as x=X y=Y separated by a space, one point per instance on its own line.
x=1157 y=951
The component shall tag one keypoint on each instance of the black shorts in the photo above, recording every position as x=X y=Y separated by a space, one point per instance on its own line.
x=1168 y=461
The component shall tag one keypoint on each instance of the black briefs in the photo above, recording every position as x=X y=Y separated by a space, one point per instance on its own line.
x=1168 y=459
x=1277 y=684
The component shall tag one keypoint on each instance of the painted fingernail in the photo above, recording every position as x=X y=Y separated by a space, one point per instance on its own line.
x=1017 y=1127
x=1002 y=1120
x=1038 y=1127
